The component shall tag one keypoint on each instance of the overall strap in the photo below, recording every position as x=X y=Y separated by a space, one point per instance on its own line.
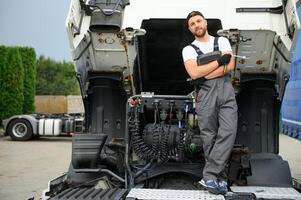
x=215 y=44
x=197 y=49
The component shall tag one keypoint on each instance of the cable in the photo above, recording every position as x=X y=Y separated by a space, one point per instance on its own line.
x=281 y=53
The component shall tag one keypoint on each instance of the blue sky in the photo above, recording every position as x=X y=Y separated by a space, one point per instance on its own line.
x=36 y=23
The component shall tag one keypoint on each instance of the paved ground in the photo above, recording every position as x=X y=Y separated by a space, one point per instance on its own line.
x=290 y=150
x=26 y=167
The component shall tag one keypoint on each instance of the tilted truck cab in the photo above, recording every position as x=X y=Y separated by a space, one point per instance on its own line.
x=140 y=138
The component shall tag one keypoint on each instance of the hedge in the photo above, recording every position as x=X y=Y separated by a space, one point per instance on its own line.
x=56 y=78
x=3 y=66
x=28 y=56
x=12 y=78
x=17 y=81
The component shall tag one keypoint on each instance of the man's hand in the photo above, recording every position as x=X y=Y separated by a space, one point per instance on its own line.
x=225 y=59
x=220 y=70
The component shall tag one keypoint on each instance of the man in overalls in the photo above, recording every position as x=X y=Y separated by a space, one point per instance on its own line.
x=216 y=106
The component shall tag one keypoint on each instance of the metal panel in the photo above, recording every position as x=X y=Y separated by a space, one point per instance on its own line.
x=155 y=194
x=269 y=192
x=89 y=194
x=256 y=46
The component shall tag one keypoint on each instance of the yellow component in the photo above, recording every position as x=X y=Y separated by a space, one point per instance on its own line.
x=225 y=69
x=139 y=101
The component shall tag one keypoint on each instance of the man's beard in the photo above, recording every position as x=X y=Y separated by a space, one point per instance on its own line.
x=199 y=35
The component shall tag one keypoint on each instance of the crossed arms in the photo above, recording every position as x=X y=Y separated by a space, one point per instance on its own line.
x=210 y=70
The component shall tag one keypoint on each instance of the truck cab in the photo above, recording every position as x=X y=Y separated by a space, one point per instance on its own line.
x=140 y=138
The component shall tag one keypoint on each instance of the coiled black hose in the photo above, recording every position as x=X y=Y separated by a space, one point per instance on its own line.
x=156 y=143
x=181 y=145
x=163 y=153
x=139 y=146
x=158 y=150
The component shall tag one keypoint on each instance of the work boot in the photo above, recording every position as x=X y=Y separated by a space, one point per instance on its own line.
x=211 y=185
x=223 y=187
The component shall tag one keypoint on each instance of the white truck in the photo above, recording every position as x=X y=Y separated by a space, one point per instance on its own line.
x=25 y=127
x=140 y=137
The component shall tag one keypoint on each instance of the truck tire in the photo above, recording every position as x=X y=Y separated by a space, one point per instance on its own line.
x=20 y=130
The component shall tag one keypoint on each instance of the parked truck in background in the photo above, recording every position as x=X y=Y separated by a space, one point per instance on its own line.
x=140 y=138
x=55 y=116
x=25 y=127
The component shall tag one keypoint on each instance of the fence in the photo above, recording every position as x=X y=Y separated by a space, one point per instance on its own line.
x=59 y=104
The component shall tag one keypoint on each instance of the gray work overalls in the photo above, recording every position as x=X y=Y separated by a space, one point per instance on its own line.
x=216 y=109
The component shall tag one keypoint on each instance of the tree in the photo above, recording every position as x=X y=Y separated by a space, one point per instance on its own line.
x=12 y=77
x=56 y=78
x=28 y=56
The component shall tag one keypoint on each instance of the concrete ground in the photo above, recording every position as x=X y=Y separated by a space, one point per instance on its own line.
x=290 y=150
x=26 y=167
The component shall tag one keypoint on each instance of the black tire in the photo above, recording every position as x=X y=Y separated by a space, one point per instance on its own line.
x=20 y=130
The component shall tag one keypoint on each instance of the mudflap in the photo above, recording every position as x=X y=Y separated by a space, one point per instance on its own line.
x=269 y=171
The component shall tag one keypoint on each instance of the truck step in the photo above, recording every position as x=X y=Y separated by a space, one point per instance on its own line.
x=164 y=194
x=269 y=192
x=90 y=194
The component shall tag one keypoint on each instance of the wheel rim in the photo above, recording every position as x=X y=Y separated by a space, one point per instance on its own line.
x=19 y=130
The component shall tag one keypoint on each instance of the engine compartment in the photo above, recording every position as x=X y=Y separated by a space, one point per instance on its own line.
x=152 y=137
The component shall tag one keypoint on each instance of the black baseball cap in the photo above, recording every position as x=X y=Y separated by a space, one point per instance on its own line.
x=192 y=14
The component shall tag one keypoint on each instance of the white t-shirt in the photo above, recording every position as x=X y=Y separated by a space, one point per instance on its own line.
x=189 y=52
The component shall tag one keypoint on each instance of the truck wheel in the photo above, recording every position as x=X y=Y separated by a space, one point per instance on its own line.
x=20 y=130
